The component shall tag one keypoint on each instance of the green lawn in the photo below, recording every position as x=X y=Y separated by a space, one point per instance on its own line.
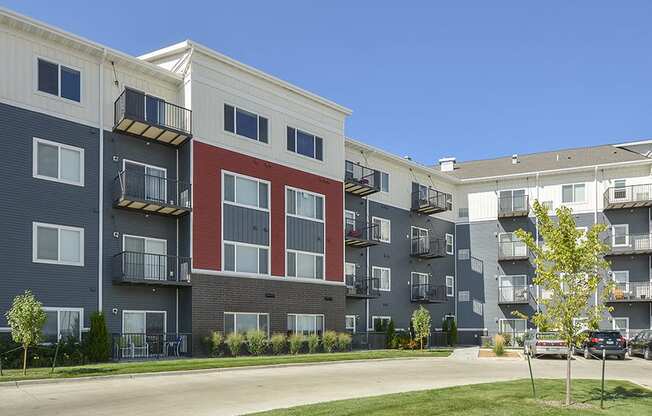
x=207 y=363
x=504 y=399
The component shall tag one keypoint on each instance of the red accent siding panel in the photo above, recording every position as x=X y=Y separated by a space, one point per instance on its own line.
x=208 y=163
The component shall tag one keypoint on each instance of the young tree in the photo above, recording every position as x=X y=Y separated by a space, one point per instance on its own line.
x=98 y=347
x=26 y=319
x=421 y=323
x=569 y=266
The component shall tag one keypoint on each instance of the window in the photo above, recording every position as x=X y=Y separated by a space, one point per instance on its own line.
x=384 y=182
x=380 y=323
x=305 y=265
x=304 y=204
x=620 y=189
x=477 y=307
x=382 y=278
x=58 y=162
x=621 y=324
x=449 y=244
x=464 y=296
x=420 y=285
x=450 y=286
x=462 y=212
x=245 y=123
x=145 y=257
x=463 y=254
x=245 y=191
x=382 y=229
x=144 y=322
x=573 y=194
x=57 y=244
x=512 y=200
x=349 y=323
x=246 y=258
x=58 y=80
x=620 y=235
x=242 y=323
x=305 y=324
x=349 y=270
x=62 y=323
x=515 y=327
x=305 y=144
x=621 y=279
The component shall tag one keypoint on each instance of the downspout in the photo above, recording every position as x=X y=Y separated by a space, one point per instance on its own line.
x=366 y=318
x=100 y=257
x=536 y=233
x=595 y=214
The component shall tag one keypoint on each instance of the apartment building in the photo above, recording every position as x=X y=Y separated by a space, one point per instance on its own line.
x=181 y=192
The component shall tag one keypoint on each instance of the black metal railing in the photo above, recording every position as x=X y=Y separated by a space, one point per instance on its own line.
x=628 y=196
x=631 y=291
x=131 y=266
x=427 y=246
x=138 y=186
x=141 y=346
x=514 y=249
x=431 y=200
x=362 y=286
x=361 y=175
x=515 y=294
x=361 y=230
x=629 y=243
x=138 y=106
x=426 y=292
x=513 y=205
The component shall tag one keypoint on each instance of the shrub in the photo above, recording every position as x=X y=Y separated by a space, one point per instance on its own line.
x=344 y=340
x=217 y=339
x=452 y=334
x=313 y=343
x=295 y=342
x=98 y=348
x=278 y=341
x=486 y=342
x=507 y=338
x=380 y=325
x=520 y=340
x=391 y=341
x=499 y=345
x=257 y=342
x=329 y=340
x=234 y=341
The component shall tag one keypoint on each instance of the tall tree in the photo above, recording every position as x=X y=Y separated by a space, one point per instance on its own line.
x=26 y=319
x=421 y=323
x=569 y=266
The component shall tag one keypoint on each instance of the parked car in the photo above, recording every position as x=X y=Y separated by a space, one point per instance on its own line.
x=611 y=341
x=544 y=343
x=641 y=344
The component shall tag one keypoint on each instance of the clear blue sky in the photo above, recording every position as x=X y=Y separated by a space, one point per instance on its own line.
x=471 y=79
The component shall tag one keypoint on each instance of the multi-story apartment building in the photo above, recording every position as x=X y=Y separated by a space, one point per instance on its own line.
x=182 y=192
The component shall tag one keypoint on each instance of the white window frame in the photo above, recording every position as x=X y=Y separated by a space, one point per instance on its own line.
x=574 y=185
x=313 y=315
x=380 y=227
x=58 y=96
x=35 y=259
x=36 y=141
x=613 y=235
x=235 y=257
x=315 y=255
x=450 y=284
x=235 y=124
x=350 y=328
x=452 y=244
x=378 y=317
x=502 y=320
x=235 y=191
x=314 y=159
x=314 y=194
x=389 y=278
x=144 y=312
x=258 y=315
x=613 y=324
x=626 y=275
x=64 y=309
x=384 y=174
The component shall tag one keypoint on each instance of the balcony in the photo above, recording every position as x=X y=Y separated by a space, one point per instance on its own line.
x=151 y=118
x=631 y=292
x=513 y=206
x=362 y=287
x=360 y=180
x=428 y=293
x=629 y=244
x=512 y=250
x=148 y=346
x=430 y=201
x=131 y=267
x=515 y=295
x=425 y=247
x=139 y=191
x=360 y=234
x=633 y=196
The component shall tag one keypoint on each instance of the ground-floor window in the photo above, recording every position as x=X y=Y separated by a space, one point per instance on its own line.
x=350 y=323
x=379 y=323
x=513 y=327
x=621 y=324
x=305 y=324
x=242 y=322
x=144 y=322
x=62 y=323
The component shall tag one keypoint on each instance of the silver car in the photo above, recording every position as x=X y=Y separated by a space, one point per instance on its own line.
x=544 y=343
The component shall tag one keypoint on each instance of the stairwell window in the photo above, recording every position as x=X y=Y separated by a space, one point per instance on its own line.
x=573 y=194
x=449 y=244
x=57 y=244
x=450 y=286
x=57 y=162
x=58 y=80
x=245 y=123
x=305 y=144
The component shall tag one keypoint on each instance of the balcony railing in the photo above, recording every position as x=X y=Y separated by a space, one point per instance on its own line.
x=512 y=250
x=141 y=346
x=362 y=286
x=631 y=292
x=626 y=244
x=428 y=293
x=513 y=206
x=520 y=294
x=632 y=196
x=153 y=269
x=152 y=118
x=136 y=190
x=360 y=233
x=360 y=180
x=430 y=201
x=427 y=247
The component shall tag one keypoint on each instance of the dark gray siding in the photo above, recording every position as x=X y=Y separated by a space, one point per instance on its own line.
x=246 y=225
x=305 y=235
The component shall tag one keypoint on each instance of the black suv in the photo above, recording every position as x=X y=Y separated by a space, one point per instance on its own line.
x=641 y=344
x=596 y=341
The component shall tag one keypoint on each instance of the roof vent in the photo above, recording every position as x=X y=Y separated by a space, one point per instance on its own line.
x=447 y=164
x=406 y=157
x=514 y=159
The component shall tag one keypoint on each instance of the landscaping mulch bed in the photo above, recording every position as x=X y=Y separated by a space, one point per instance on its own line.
x=491 y=354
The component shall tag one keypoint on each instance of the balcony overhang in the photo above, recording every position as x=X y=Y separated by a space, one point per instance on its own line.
x=513 y=213
x=123 y=280
x=358 y=242
x=359 y=189
x=627 y=204
x=150 y=207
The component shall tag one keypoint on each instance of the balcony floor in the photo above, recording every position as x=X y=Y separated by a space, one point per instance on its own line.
x=150 y=282
x=150 y=207
x=150 y=131
x=359 y=189
x=359 y=242
x=514 y=258
x=513 y=214
x=428 y=210
x=627 y=204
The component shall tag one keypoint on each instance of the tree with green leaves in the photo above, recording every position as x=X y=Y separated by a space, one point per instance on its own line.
x=569 y=266
x=421 y=323
x=26 y=319
x=98 y=347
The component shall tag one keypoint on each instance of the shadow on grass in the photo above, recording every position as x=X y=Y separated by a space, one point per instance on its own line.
x=612 y=394
x=72 y=372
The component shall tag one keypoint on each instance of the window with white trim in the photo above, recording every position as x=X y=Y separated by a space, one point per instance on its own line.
x=620 y=235
x=245 y=191
x=384 y=182
x=621 y=324
x=382 y=229
x=449 y=244
x=57 y=244
x=380 y=323
x=144 y=322
x=450 y=286
x=382 y=278
x=245 y=123
x=246 y=258
x=306 y=144
x=349 y=323
x=58 y=80
x=57 y=162
x=573 y=193
x=305 y=265
x=243 y=322
x=304 y=204
x=62 y=323
x=305 y=324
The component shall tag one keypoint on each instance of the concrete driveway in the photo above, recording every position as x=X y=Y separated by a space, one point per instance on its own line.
x=243 y=391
